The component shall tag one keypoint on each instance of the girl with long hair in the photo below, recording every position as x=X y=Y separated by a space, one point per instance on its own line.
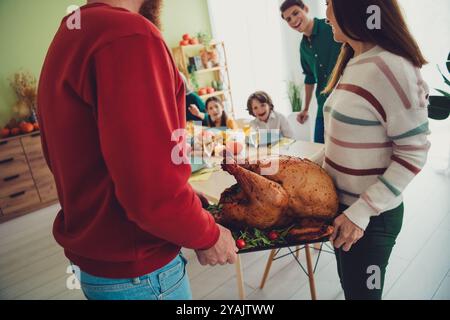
x=217 y=116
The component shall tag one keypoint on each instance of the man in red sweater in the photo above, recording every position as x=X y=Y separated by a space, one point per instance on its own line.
x=110 y=97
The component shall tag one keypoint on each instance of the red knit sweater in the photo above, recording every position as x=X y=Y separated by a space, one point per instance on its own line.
x=110 y=97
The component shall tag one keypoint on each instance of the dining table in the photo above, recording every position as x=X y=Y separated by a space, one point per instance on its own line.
x=212 y=181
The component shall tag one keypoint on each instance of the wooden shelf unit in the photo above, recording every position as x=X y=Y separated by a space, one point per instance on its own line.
x=183 y=53
x=215 y=94
x=26 y=183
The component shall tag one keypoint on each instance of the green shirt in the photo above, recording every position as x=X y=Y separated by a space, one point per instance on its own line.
x=193 y=98
x=319 y=54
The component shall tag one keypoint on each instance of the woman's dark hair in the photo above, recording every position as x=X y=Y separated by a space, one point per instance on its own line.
x=262 y=97
x=393 y=36
x=287 y=4
x=224 y=119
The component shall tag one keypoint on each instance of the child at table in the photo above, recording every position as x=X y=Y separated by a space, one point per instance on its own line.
x=260 y=106
x=217 y=117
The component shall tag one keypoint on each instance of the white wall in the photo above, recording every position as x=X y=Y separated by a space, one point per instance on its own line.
x=429 y=22
x=251 y=31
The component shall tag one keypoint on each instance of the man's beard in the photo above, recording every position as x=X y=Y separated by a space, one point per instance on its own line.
x=151 y=9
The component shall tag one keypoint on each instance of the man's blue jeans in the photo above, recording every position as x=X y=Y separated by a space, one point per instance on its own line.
x=171 y=282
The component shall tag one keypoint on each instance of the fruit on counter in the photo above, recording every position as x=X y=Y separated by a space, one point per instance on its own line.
x=273 y=235
x=26 y=127
x=186 y=36
x=193 y=41
x=36 y=126
x=240 y=243
x=234 y=147
x=210 y=90
x=184 y=43
x=15 y=131
x=5 y=132
x=202 y=91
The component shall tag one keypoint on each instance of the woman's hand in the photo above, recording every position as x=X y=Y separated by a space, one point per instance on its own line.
x=303 y=116
x=196 y=112
x=346 y=233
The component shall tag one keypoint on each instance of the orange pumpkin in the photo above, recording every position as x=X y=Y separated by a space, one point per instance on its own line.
x=193 y=41
x=26 y=127
x=5 y=132
x=36 y=126
x=202 y=91
x=15 y=131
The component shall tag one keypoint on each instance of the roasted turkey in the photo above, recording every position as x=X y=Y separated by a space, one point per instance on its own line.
x=300 y=191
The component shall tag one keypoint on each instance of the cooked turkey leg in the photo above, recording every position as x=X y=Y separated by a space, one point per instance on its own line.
x=265 y=202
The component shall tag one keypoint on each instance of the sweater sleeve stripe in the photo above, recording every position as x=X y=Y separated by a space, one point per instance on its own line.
x=388 y=185
x=365 y=95
x=355 y=172
x=425 y=147
x=414 y=132
x=369 y=202
x=384 y=68
x=350 y=120
x=406 y=164
x=351 y=145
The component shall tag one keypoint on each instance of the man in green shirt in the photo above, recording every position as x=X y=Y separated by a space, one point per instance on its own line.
x=318 y=56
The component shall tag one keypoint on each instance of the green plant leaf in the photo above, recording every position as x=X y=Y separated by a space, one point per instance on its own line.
x=294 y=94
x=448 y=62
x=444 y=93
x=445 y=79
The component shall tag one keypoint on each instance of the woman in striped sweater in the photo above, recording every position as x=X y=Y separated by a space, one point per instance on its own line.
x=376 y=125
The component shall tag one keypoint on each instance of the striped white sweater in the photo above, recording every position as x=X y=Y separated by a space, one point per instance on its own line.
x=376 y=125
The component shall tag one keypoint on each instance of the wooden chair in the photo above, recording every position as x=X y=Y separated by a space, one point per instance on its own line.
x=272 y=256
x=309 y=266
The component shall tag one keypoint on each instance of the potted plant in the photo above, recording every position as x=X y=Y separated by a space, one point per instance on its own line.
x=301 y=132
x=24 y=118
x=204 y=38
x=24 y=85
x=439 y=108
x=295 y=96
